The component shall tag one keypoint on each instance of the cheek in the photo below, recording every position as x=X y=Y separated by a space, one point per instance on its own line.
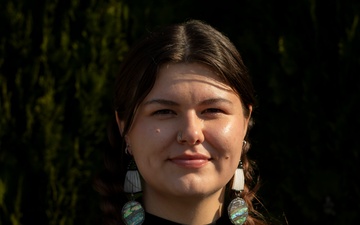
x=147 y=138
x=232 y=132
x=227 y=138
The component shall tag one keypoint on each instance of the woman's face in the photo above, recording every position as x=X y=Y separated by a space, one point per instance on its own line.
x=187 y=102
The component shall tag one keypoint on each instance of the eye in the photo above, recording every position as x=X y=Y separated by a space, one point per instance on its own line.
x=213 y=110
x=164 y=112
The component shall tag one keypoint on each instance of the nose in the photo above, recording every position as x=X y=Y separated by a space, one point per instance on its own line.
x=191 y=130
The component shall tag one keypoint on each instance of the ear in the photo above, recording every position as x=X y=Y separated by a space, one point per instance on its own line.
x=248 y=120
x=120 y=123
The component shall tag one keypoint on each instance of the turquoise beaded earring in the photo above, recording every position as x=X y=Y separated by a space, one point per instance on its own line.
x=132 y=212
x=238 y=209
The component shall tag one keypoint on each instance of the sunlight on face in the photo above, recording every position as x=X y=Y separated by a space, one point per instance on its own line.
x=191 y=99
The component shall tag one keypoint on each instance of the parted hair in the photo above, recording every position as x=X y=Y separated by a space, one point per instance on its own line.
x=193 y=41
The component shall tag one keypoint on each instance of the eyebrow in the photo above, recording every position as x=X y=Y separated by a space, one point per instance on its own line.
x=172 y=103
x=161 y=102
x=215 y=100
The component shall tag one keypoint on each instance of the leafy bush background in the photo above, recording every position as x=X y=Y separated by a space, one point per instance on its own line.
x=57 y=64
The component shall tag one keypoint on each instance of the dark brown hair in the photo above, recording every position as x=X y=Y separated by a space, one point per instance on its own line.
x=189 y=42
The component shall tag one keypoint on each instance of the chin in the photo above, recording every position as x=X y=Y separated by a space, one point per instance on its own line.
x=192 y=191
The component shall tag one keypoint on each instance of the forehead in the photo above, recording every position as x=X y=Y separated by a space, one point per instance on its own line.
x=189 y=79
x=187 y=68
x=173 y=73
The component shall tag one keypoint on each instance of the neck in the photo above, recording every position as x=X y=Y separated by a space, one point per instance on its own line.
x=185 y=210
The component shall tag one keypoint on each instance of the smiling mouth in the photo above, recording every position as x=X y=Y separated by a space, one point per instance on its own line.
x=191 y=162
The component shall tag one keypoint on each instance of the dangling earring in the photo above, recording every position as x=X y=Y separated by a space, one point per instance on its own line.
x=238 y=209
x=132 y=212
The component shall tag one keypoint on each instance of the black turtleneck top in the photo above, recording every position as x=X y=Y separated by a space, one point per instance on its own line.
x=152 y=219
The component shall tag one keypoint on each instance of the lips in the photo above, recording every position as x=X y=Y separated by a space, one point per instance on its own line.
x=194 y=161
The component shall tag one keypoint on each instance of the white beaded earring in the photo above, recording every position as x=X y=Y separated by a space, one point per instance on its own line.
x=238 y=209
x=132 y=211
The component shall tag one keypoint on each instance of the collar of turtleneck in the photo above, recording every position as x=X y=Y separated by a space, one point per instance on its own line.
x=151 y=219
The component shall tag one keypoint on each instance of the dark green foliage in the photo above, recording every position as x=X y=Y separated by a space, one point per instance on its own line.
x=58 y=63
x=58 y=60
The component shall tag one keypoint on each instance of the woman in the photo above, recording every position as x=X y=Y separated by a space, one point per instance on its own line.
x=183 y=104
